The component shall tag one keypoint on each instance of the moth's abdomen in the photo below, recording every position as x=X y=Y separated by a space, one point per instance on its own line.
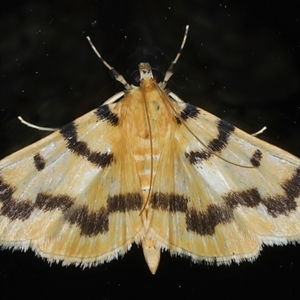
x=146 y=162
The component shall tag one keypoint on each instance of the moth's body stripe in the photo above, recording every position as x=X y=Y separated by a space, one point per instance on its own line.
x=146 y=156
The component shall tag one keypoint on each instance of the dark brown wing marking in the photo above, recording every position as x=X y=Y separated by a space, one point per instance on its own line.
x=80 y=148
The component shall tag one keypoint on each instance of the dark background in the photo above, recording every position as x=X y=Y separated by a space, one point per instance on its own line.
x=241 y=62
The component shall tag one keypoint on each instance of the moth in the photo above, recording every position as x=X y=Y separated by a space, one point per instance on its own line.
x=146 y=167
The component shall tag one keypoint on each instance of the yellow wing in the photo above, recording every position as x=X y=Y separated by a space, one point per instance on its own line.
x=230 y=192
x=74 y=195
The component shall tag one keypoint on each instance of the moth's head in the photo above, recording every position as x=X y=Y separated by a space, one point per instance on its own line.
x=144 y=73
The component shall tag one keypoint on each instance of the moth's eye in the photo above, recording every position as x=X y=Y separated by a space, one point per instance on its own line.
x=136 y=78
x=157 y=75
